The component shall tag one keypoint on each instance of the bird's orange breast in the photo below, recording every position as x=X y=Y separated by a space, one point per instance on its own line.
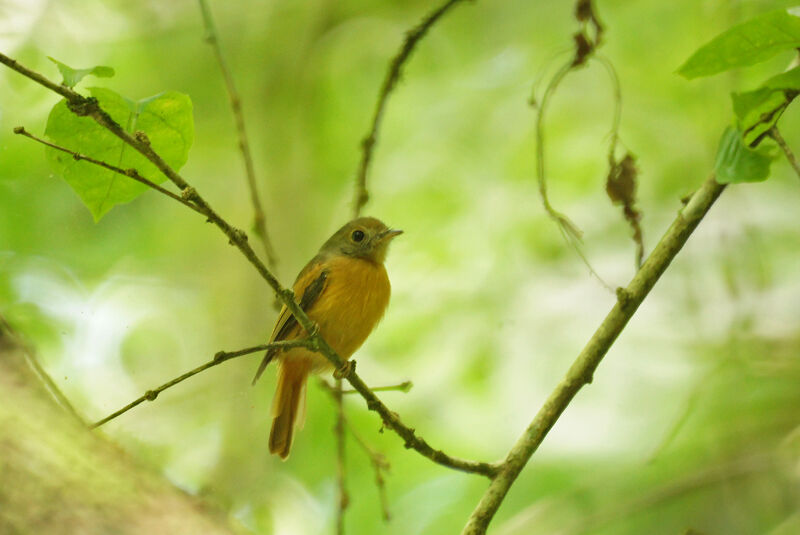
x=352 y=303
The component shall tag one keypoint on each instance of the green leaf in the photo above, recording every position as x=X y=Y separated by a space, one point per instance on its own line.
x=785 y=80
x=748 y=43
x=738 y=163
x=167 y=121
x=757 y=111
x=73 y=76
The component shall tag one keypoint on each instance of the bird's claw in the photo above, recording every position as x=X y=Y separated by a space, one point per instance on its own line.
x=345 y=370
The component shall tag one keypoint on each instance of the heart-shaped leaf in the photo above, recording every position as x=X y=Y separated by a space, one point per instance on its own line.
x=167 y=121
x=71 y=76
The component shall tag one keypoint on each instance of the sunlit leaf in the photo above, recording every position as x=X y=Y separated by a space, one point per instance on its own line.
x=71 y=76
x=748 y=43
x=738 y=163
x=167 y=121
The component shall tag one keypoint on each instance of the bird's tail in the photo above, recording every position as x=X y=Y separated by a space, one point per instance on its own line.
x=286 y=406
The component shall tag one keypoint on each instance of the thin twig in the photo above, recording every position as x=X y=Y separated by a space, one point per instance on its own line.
x=404 y=387
x=586 y=43
x=361 y=192
x=569 y=230
x=219 y=358
x=617 y=91
x=564 y=223
x=259 y=219
x=86 y=106
x=379 y=465
x=377 y=459
x=776 y=135
x=393 y=74
x=582 y=370
x=408 y=434
x=33 y=362
x=341 y=458
x=130 y=173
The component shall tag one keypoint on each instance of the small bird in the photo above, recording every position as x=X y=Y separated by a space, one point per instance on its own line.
x=344 y=289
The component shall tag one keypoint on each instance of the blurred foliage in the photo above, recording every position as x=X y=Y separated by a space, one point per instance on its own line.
x=691 y=422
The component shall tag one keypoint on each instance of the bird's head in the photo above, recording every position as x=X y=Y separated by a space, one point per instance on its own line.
x=364 y=237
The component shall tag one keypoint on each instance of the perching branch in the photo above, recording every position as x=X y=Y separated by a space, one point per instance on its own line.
x=87 y=106
x=259 y=219
x=582 y=370
x=393 y=74
x=219 y=358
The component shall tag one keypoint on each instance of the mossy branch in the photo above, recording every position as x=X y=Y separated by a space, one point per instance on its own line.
x=582 y=370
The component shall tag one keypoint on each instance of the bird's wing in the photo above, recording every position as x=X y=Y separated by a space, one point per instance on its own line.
x=309 y=286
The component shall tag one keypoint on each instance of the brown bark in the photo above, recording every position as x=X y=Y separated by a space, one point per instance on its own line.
x=58 y=477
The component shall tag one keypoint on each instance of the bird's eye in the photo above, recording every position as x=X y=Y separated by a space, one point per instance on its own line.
x=357 y=235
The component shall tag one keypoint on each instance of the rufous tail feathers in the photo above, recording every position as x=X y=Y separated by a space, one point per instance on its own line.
x=285 y=406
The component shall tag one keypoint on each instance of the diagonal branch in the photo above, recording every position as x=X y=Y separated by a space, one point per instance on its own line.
x=219 y=358
x=393 y=74
x=86 y=106
x=259 y=219
x=408 y=434
x=581 y=371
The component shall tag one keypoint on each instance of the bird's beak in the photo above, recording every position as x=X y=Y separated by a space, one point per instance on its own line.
x=389 y=234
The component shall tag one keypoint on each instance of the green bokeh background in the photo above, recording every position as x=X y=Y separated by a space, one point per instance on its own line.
x=691 y=421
